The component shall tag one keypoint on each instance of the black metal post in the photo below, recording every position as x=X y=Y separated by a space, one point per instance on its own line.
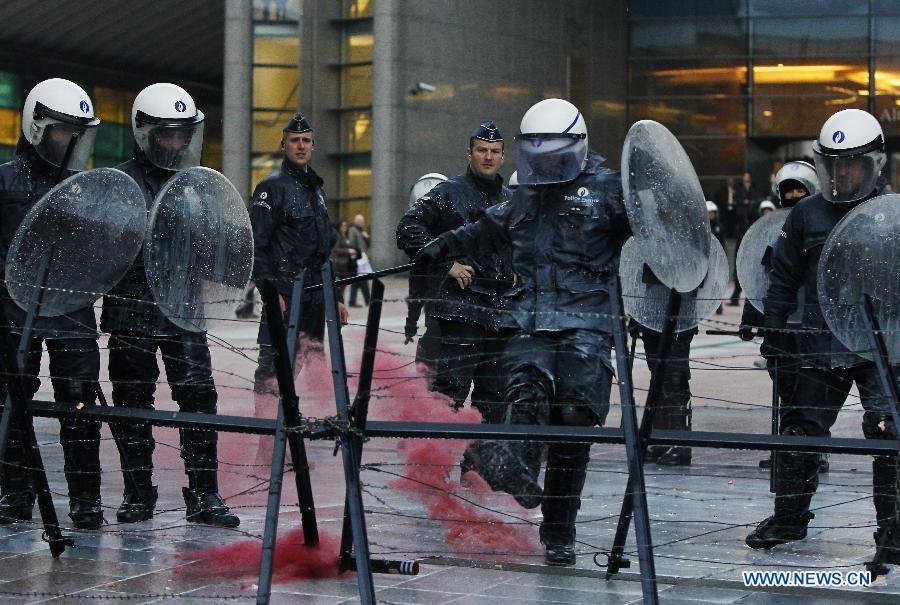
x=302 y=481
x=633 y=448
x=350 y=450
x=889 y=385
x=359 y=411
x=288 y=415
x=776 y=421
x=616 y=558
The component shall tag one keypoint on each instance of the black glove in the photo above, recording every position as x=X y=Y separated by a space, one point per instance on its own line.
x=774 y=345
x=745 y=332
x=431 y=252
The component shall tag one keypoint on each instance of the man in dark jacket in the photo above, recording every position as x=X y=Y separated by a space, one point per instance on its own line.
x=468 y=298
x=849 y=155
x=291 y=234
x=793 y=182
x=54 y=110
x=565 y=227
x=168 y=131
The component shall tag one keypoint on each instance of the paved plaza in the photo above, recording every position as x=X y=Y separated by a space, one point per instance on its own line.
x=474 y=546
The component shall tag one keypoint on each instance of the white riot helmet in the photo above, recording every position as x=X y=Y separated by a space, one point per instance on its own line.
x=552 y=143
x=167 y=126
x=711 y=206
x=54 y=111
x=849 y=155
x=792 y=175
x=766 y=205
x=513 y=182
x=425 y=183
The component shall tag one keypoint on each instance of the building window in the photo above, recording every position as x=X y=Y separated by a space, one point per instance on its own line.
x=276 y=10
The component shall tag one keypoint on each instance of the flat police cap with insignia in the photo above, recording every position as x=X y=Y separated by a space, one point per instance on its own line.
x=298 y=124
x=487 y=131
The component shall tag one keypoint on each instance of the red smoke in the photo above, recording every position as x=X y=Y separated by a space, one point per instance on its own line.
x=399 y=392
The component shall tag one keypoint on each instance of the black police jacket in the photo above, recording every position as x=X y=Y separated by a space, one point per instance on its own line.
x=23 y=182
x=291 y=229
x=794 y=268
x=459 y=201
x=129 y=306
x=564 y=240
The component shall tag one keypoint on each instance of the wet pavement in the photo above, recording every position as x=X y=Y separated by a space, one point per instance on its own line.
x=474 y=546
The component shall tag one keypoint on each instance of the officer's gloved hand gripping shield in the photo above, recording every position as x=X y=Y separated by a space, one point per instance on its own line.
x=198 y=253
x=91 y=226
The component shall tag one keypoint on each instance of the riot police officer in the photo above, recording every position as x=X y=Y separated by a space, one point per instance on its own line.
x=168 y=134
x=793 y=182
x=54 y=111
x=422 y=292
x=291 y=234
x=849 y=155
x=565 y=227
x=468 y=294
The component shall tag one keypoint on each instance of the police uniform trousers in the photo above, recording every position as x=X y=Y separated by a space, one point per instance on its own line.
x=819 y=396
x=469 y=359
x=672 y=402
x=558 y=378
x=312 y=327
x=74 y=372
x=134 y=372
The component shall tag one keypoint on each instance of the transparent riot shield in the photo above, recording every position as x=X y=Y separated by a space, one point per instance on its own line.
x=89 y=228
x=645 y=298
x=754 y=255
x=665 y=205
x=862 y=256
x=198 y=251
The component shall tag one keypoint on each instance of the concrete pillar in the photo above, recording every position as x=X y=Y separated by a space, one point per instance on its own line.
x=388 y=204
x=237 y=94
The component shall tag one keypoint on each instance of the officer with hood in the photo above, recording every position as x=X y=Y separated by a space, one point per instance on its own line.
x=849 y=155
x=468 y=295
x=565 y=227
x=55 y=110
x=168 y=134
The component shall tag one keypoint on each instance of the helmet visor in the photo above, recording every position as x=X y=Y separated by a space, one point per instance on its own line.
x=549 y=158
x=55 y=139
x=171 y=147
x=848 y=178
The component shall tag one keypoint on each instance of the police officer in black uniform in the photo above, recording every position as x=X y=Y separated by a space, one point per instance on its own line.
x=849 y=155
x=468 y=295
x=168 y=131
x=793 y=182
x=54 y=110
x=291 y=233
x=565 y=227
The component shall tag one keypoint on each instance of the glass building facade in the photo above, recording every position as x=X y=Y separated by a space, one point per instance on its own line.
x=746 y=83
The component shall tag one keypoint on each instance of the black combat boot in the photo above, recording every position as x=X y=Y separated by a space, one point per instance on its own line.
x=563 y=482
x=80 y=440
x=140 y=495
x=208 y=507
x=677 y=414
x=509 y=466
x=204 y=504
x=796 y=479
x=16 y=495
